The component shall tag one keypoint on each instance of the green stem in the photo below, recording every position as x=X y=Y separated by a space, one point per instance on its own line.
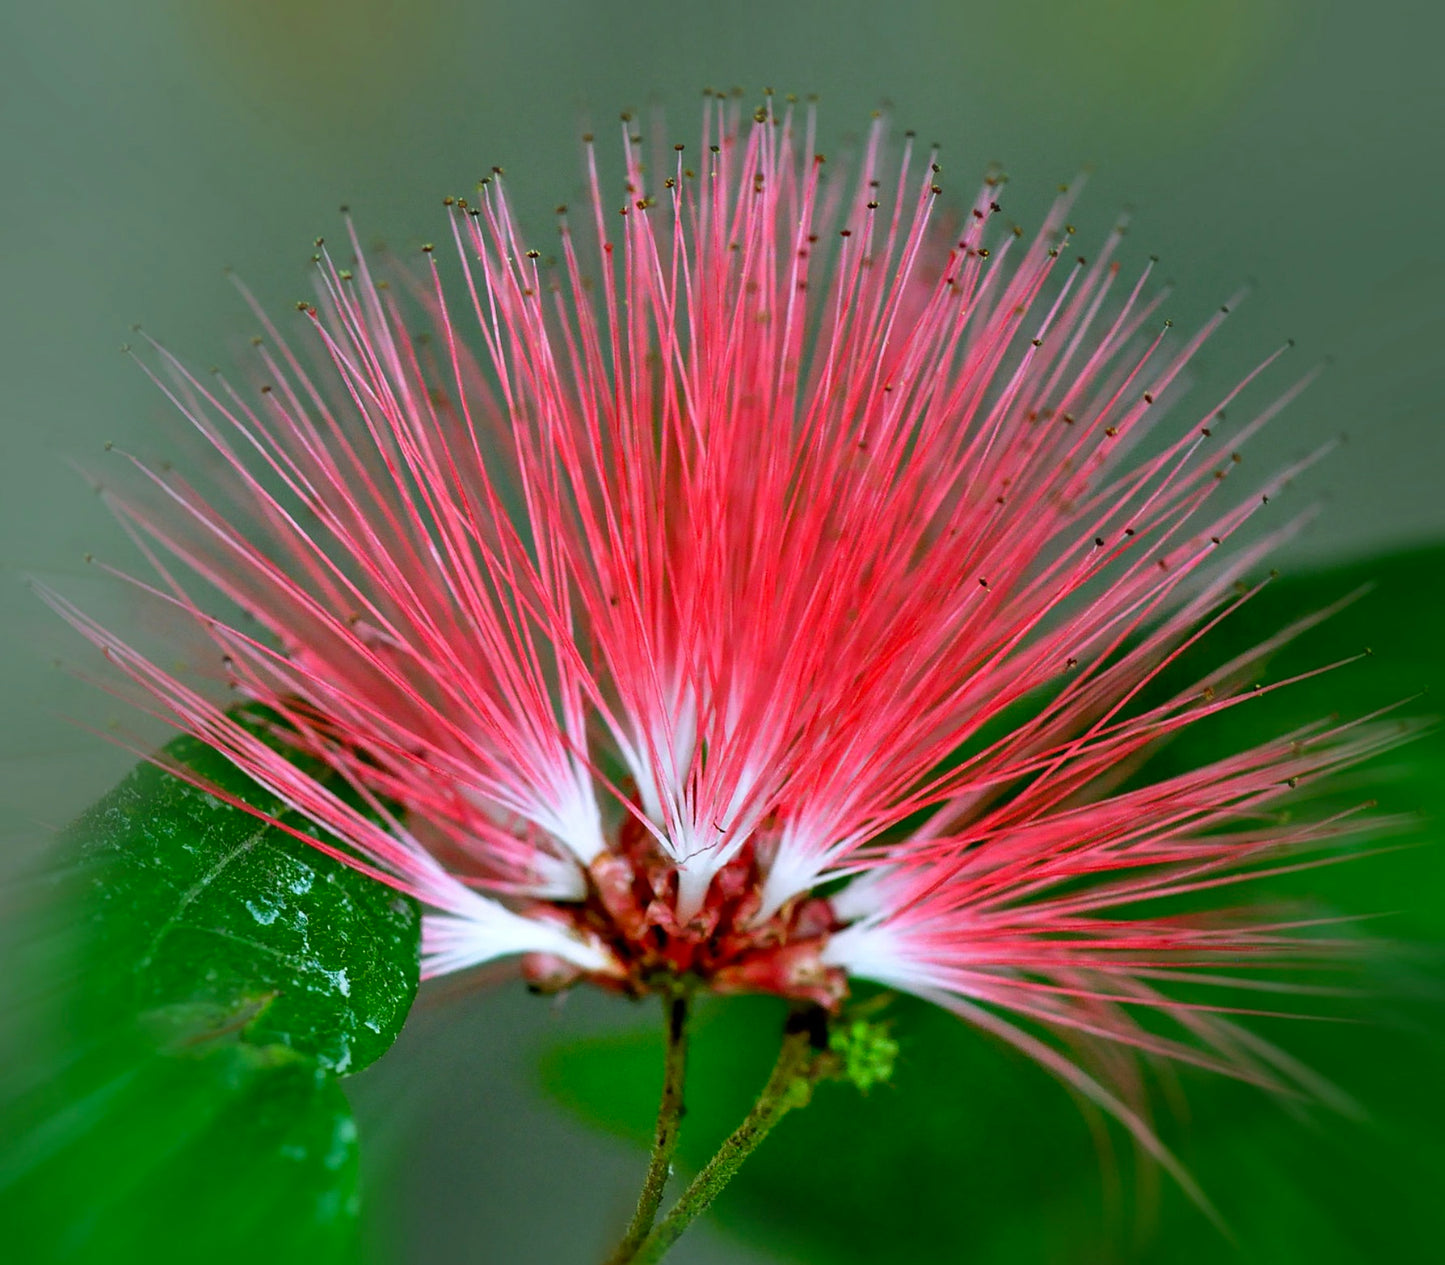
x=670 y=1111
x=798 y=1068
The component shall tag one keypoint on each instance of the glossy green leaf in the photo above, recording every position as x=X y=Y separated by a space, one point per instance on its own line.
x=973 y=1154
x=188 y=1105
x=192 y=901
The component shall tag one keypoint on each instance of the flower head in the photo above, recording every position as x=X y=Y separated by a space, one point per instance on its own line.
x=770 y=589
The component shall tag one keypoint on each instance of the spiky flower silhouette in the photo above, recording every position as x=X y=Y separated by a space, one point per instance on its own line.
x=760 y=593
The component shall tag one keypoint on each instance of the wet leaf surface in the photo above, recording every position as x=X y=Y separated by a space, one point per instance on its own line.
x=186 y=1103
x=190 y=900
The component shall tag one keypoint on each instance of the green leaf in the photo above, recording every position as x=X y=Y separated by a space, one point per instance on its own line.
x=225 y=974
x=229 y=1152
x=973 y=1154
x=192 y=901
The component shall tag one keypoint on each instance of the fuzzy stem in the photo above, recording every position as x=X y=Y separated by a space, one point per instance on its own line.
x=670 y=1110
x=798 y=1067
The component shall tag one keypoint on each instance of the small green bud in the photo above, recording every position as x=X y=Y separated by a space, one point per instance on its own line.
x=866 y=1052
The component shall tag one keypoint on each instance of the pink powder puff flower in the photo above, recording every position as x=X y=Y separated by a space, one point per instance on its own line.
x=763 y=592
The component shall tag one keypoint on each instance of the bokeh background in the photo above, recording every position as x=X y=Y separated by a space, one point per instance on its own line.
x=1295 y=144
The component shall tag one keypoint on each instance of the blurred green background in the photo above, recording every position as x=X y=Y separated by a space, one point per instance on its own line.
x=144 y=145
